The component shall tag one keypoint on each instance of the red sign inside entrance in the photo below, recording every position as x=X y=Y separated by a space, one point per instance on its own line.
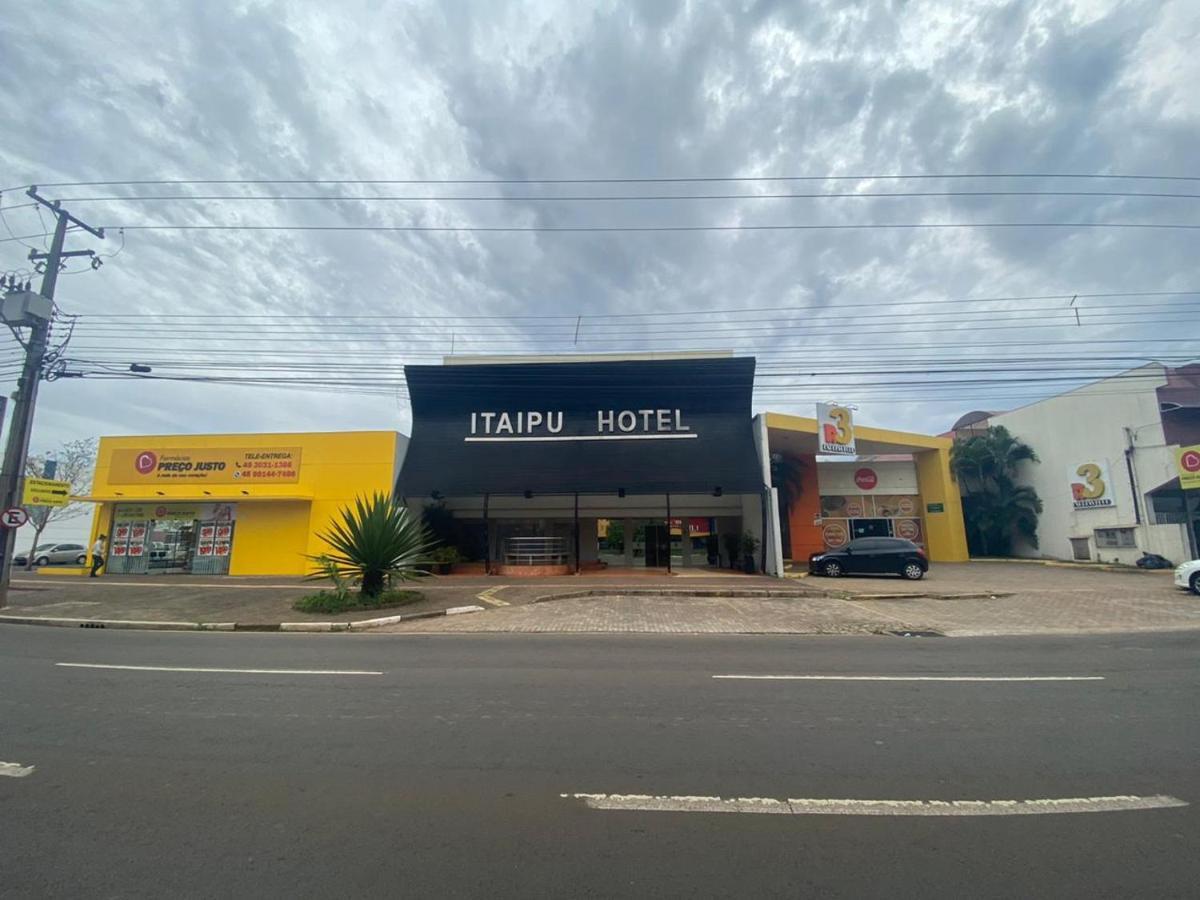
x=866 y=479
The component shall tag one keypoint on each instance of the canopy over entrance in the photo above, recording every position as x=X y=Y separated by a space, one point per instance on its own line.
x=631 y=427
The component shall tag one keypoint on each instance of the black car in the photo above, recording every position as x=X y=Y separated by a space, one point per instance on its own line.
x=872 y=556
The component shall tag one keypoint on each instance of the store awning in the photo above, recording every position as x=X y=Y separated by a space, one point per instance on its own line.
x=638 y=426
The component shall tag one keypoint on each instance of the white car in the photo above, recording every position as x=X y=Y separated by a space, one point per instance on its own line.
x=1188 y=576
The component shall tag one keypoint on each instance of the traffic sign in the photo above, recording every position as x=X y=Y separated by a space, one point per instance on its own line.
x=46 y=492
x=14 y=517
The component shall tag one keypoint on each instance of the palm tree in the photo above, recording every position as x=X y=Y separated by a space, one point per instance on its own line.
x=787 y=477
x=980 y=459
x=376 y=541
x=1000 y=514
x=995 y=507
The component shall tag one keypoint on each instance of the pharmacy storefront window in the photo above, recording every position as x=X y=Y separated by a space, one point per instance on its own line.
x=172 y=538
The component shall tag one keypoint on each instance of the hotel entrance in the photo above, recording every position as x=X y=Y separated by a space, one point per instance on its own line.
x=688 y=542
x=589 y=463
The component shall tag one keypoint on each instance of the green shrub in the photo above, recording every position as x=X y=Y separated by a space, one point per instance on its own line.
x=331 y=602
x=376 y=543
x=446 y=555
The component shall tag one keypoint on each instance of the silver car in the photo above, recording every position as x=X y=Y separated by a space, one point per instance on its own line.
x=54 y=555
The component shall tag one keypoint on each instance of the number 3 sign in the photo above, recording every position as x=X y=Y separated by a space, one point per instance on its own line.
x=1090 y=484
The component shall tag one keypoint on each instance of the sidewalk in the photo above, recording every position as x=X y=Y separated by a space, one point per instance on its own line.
x=249 y=602
x=258 y=602
x=955 y=599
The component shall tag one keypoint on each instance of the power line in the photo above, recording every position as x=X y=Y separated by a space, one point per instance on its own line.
x=583 y=198
x=691 y=340
x=578 y=328
x=571 y=317
x=634 y=229
x=268 y=322
x=640 y=229
x=701 y=179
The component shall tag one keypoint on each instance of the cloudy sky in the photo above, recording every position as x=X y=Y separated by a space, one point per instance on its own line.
x=508 y=103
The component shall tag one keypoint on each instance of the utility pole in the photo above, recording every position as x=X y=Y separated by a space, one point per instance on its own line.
x=12 y=477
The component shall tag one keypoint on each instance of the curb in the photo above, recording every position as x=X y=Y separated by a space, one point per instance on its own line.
x=676 y=592
x=126 y=624
x=1067 y=564
x=927 y=595
x=294 y=627
x=368 y=624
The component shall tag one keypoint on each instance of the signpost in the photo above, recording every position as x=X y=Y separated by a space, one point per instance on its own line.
x=14 y=517
x=46 y=492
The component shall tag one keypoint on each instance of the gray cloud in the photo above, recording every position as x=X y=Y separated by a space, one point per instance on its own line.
x=487 y=90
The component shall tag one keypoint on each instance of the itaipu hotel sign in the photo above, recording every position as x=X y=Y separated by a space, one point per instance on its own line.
x=608 y=424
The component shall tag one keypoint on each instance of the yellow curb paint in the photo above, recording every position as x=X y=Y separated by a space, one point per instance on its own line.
x=489 y=596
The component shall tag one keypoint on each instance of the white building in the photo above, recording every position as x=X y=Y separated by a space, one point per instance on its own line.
x=1108 y=474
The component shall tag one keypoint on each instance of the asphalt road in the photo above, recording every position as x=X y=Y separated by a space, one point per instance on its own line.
x=442 y=776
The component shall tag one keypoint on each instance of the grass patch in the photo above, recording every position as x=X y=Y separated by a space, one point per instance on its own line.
x=332 y=602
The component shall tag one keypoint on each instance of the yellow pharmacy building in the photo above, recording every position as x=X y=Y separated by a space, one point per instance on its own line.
x=232 y=504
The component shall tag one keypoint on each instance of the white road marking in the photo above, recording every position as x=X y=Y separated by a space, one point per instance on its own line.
x=68 y=665
x=14 y=770
x=835 y=807
x=911 y=677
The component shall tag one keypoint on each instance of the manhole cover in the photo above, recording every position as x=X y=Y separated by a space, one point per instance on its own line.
x=917 y=633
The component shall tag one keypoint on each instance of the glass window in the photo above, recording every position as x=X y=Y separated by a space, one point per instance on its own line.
x=1115 y=538
x=865 y=544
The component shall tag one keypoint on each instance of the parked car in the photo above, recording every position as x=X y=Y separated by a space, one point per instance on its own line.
x=54 y=555
x=1187 y=575
x=872 y=556
x=168 y=555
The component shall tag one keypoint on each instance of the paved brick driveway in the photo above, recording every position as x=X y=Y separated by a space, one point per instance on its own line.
x=671 y=615
x=1003 y=598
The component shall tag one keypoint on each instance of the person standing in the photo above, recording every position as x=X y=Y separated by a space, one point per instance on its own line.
x=97 y=555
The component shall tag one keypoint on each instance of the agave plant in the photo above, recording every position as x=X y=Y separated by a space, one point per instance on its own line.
x=376 y=541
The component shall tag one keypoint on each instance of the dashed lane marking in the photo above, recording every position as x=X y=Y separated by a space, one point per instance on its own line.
x=910 y=677
x=67 y=665
x=489 y=596
x=847 y=807
x=14 y=770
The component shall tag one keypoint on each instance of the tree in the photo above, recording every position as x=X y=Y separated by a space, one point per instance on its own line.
x=76 y=463
x=787 y=477
x=995 y=508
x=377 y=540
x=615 y=538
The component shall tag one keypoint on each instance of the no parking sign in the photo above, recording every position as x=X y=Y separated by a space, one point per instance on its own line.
x=14 y=517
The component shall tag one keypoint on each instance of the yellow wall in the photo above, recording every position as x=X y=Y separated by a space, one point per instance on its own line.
x=270 y=539
x=277 y=524
x=945 y=533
